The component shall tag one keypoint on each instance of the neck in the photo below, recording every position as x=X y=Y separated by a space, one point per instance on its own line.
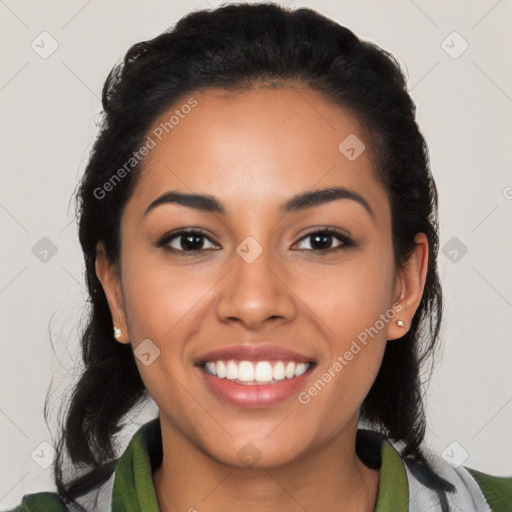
x=331 y=478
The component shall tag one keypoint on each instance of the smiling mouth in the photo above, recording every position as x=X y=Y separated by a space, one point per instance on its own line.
x=256 y=373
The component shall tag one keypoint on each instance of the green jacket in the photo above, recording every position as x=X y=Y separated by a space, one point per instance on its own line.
x=130 y=487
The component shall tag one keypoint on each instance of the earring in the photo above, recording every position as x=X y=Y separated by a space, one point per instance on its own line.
x=117 y=332
x=400 y=323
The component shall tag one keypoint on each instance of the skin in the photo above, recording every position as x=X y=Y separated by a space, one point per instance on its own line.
x=253 y=151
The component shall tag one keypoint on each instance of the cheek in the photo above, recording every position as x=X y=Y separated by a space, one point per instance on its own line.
x=349 y=298
x=165 y=303
x=162 y=305
x=351 y=303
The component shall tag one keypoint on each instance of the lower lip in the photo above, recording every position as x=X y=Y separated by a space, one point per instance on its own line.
x=255 y=396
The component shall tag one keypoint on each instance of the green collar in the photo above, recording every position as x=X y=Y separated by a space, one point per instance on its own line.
x=393 y=488
x=134 y=491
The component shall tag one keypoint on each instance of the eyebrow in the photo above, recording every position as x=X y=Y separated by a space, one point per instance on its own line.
x=299 y=202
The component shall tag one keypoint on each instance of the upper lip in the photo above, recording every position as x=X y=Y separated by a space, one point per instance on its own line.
x=254 y=353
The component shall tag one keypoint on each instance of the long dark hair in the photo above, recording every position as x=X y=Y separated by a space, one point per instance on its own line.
x=234 y=47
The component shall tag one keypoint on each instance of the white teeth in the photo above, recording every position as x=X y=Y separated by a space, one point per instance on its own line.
x=300 y=369
x=255 y=372
x=232 y=370
x=245 y=371
x=211 y=368
x=290 y=370
x=263 y=371
x=221 y=369
x=278 y=371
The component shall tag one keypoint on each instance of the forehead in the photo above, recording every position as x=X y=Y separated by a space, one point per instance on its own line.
x=257 y=147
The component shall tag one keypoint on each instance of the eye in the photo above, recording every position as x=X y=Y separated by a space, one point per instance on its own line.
x=322 y=239
x=186 y=241
x=195 y=240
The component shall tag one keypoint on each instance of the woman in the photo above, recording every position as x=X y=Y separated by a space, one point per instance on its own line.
x=259 y=227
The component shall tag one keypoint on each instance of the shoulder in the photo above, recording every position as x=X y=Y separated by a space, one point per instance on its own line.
x=39 y=502
x=97 y=493
x=435 y=484
x=472 y=490
x=496 y=489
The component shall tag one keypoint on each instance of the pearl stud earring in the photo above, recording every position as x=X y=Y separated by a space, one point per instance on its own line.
x=117 y=332
x=400 y=323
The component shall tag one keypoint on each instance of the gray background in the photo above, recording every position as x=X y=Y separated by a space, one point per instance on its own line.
x=48 y=110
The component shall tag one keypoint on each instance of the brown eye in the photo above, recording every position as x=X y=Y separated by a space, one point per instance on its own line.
x=186 y=241
x=322 y=240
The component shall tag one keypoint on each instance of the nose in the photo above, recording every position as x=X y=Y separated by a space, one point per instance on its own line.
x=256 y=293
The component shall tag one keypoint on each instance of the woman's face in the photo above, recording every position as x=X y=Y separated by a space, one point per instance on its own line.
x=255 y=289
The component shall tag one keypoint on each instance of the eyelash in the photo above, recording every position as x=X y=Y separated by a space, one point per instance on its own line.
x=342 y=237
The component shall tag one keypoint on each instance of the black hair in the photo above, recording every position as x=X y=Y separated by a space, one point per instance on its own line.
x=236 y=47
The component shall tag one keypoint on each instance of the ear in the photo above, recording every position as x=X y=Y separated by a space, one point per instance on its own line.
x=409 y=286
x=108 y=275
